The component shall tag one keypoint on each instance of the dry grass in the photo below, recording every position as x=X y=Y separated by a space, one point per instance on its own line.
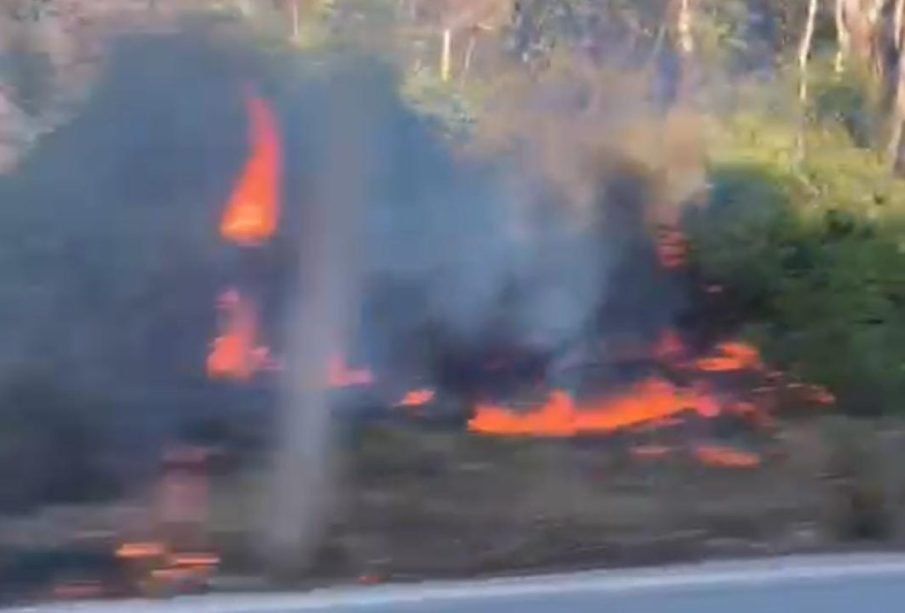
x=420 y=503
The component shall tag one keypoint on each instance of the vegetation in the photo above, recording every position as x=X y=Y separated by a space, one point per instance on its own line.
x=771 y=132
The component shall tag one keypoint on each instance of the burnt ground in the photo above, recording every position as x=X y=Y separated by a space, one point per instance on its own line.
x=424 y=502
x=420 y=504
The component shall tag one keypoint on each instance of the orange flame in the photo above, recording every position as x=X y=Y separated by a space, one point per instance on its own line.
x=416 y=398
x=234 y=354
x=560 y=416
x=726 y=457
x=195 y=559
x=131 y=551
x=252 y=213
x=340 y=375
x=731 y=356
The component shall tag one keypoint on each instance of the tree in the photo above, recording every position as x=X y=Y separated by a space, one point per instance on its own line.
x=804 y=53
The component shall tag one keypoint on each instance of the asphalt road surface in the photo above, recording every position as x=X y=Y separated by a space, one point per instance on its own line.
x=860 y=584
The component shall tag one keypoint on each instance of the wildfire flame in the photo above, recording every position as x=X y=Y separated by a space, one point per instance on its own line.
x=561 y=416
x=131 y=551
x=726 y=457
x=416 y=398
x=340 y=375
x=252 y=213
x=234 y=353
x=731 y=356
x=195 y=560
x=653 y=403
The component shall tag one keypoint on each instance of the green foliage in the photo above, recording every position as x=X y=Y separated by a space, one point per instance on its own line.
x=813 y=255
x=452 y=105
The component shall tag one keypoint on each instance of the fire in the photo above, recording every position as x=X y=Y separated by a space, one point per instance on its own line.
x=235 y=354
x=731 y=356
x=416 y=398
x=131 y=551
x=195 y=559
x=252 y=213
x=560 y=416
x=726 y=457
x=340 y=375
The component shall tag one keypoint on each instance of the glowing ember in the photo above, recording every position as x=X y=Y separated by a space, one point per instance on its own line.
x=234 y=354
x=180 y=574
x=78 y=590
x=416 y=398
x=731 y=356
x=132 y=551
x=816 y=394
x=726 y=457
x=194 y=559
x=648 y=401
x=252 y=212
x=340 y=375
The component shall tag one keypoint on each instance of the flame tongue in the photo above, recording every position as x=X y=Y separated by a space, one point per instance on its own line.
x=416 y=398
x=731 y=356
x=646 y=402
x=234 y=354
x=340 y=375
x=252 y=213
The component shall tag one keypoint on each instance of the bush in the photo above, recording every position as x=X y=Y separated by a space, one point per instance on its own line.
x=811 y=255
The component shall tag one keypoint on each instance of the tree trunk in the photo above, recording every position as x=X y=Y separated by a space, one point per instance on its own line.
x=296 y=20
x=469 y=52
x=446 y=55
x=804 y=53
x=684 y=25
x=897 y=23
x=685 y=48
x=897 y=127
x=843 y=38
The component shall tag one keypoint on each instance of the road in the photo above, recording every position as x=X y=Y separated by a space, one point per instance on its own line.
x=837 y=584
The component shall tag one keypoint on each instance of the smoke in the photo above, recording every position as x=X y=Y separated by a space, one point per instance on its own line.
x=394 y=245
x=398 y=234
x=515 y=246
